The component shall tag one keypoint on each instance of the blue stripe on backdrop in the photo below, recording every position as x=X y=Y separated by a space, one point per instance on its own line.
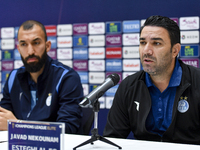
x=83 y=11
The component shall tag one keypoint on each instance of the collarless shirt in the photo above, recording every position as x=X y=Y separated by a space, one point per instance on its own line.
x=160 y=115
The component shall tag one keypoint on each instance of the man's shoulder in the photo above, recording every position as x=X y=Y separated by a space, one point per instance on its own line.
x=140 y=75
x=60 y=68
x=189 y=69
x=58 y=65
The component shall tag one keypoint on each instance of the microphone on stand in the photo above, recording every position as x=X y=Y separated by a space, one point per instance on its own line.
x=110 y=81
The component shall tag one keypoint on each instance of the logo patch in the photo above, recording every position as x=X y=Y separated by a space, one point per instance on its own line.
x=183 y=105
x=48 y=100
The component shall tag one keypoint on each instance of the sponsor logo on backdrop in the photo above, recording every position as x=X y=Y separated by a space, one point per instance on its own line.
x=175 y=20
x=112 y=91
x=102 y=102
x=64 y=53
x=109 y=101
x=52 y=53
x=7 y=32
x=96 y=40
x=96 y=65
x=126 y=74
x=7 y=65
x=93 y=86
x=113 y=52
x=83 y=77
x=64 y=41
x=193 y=62
x=85 y=89
x=18 y=64
x=80 y=29
x=114 y=65
x=80 y=53
x=96 y=77
x=114 y=40
x=7 y=44
x=5 y=75
x=80 y=65
x=131 y=65
x=131 y=26
x=96 y=28
x=131 y=52
x=189 y=37
x=113 y=27
x=0 y=55
x=17 y=55
x=67 y=62
x=97 y=53
x=16 y=43
x=131 y=39
x=80 y=41
x=51 y=30
x=16 y=31
x=142 y=22
x=64 y=29
x=189 y=23
x=53 y=40
x=189 y=51
x=7 y=55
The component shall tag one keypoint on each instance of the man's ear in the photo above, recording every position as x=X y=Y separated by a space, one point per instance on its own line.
x=18 y=48
x=175 y=49
x=48 y=46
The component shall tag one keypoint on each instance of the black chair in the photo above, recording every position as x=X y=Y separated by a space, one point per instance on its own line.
x=87 y=121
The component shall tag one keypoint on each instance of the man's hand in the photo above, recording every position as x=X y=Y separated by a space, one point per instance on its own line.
x=4 y=116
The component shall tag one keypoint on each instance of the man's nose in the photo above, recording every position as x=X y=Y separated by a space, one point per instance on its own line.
x=30 y=50
x=148 y=49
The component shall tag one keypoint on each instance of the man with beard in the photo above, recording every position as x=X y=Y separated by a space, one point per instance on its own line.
x=162 y=101
x=43 y=89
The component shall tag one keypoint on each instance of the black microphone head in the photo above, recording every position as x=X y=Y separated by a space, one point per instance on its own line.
x=115 y=78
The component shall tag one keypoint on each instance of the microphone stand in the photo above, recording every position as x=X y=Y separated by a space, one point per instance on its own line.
x=95 y=136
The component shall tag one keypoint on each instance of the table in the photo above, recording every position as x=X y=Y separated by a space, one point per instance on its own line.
x=72 y=141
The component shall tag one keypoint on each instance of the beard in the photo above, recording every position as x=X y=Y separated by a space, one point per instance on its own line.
x=34 y=66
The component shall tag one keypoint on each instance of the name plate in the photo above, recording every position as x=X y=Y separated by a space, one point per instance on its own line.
x=35 y=135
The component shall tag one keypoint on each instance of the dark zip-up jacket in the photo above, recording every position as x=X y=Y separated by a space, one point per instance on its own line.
x=132 y=104
x=59 y=92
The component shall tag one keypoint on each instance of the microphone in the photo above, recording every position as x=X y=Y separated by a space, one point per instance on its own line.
x=110 y=81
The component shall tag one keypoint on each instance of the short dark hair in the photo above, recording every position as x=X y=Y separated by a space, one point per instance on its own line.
x=167 y=23
x=27 y=25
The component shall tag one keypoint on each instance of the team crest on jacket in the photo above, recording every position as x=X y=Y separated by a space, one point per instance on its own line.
x=183 y=104
x=48 y=100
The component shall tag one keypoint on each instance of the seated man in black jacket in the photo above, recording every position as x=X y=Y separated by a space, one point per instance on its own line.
x=161 y=102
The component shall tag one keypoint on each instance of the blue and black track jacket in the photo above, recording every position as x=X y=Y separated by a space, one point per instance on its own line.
x=59 y=92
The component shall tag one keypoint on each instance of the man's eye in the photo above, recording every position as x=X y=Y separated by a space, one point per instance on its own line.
x=142 y=43
x=23 y=44
x=157 y=43
x=36 y=43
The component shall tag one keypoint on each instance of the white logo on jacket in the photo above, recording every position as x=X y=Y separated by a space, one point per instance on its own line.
x=48 y=100
x=138 y=104
x=183 y=105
